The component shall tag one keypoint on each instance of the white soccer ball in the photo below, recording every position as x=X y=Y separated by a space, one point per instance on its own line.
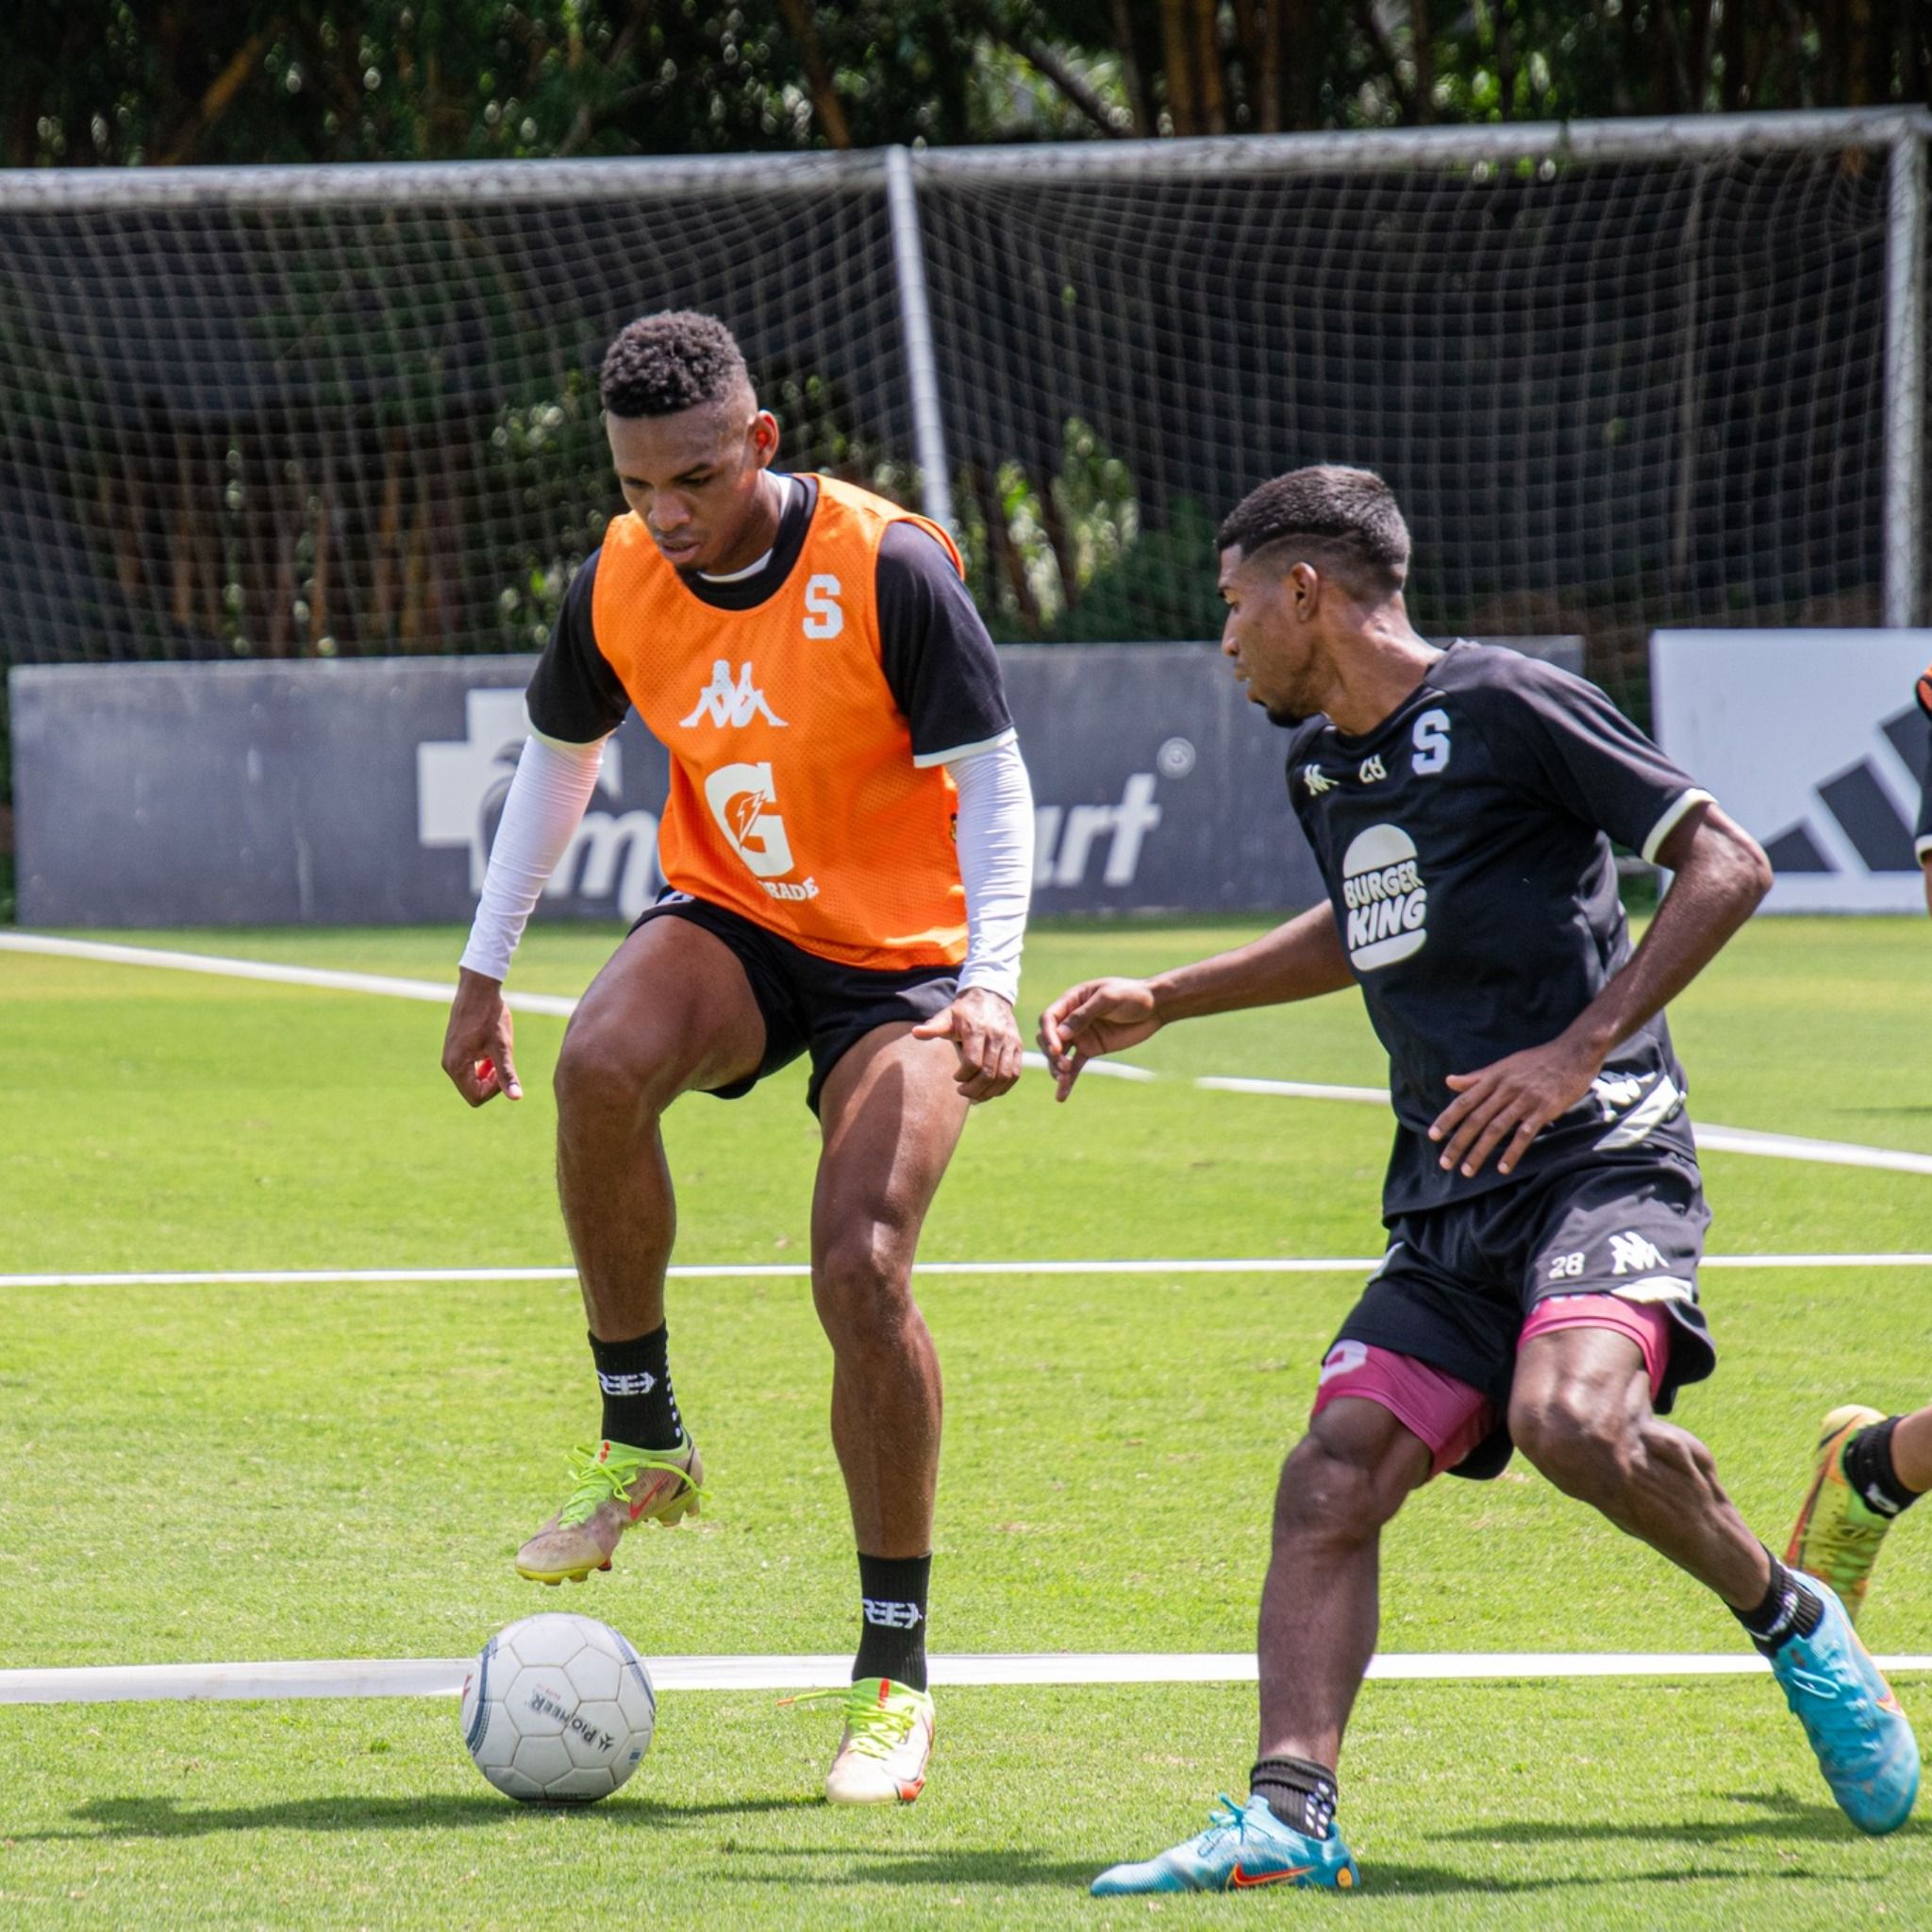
x=557 y=1711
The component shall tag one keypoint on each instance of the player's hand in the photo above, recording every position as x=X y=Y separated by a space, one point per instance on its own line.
x=1508 y=1103
x=981 y=1024
x=1098 y=1016
x=477 y=1045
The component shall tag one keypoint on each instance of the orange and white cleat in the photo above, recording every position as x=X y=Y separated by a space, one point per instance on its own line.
x=887 y=1742
x=612 y=1486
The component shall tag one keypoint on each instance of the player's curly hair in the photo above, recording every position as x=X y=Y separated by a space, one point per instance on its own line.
x=1350 y=515
x=676 y=359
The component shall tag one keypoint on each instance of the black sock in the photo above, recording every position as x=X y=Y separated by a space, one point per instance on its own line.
x=1300 y=1792
x=891 y=1640
x=639 y=1408
x=1791 y=1608
x=1870 y=1471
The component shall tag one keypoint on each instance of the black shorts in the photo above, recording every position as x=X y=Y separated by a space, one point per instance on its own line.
x=1458 y=1282
x=808 y=1003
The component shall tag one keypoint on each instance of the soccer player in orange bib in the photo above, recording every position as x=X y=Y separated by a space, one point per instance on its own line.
x=847 y=851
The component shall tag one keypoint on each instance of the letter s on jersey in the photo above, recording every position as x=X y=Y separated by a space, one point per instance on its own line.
x=824 y=616
x=1431 y=741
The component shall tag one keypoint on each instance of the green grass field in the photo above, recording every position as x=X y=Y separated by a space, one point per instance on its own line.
x=198 y=1473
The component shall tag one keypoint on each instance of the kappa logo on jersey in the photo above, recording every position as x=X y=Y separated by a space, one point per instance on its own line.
x=724 y=701
x=1317 y=782
x=1388 y=903
x=1634 y=1254
x=1372 y=770
x=889 y=1616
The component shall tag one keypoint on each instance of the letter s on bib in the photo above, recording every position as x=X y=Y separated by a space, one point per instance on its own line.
x=824 y=616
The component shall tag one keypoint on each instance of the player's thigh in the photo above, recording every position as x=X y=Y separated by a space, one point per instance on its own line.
x=890 y=1114
x=672 y=1011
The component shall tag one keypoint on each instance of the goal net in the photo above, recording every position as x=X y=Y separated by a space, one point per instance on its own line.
x=354 y=411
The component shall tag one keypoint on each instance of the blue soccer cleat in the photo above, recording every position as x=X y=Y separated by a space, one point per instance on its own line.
x=1865 y=1747
x=1242 y=1849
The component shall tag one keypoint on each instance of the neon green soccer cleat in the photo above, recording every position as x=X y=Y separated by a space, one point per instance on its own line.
x=1836 y=1537
x=612 y=1486
x=887 y=1743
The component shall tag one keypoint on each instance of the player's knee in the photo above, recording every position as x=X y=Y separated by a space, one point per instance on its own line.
x=862 y=1286
x=1586 y=1445
x=1329 y=1491
x=603 y=1073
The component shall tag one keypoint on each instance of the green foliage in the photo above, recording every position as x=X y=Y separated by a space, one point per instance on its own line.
x=126 y=81
x=1080 y=562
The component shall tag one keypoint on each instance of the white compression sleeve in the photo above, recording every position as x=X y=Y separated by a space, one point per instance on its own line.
x=545 y=804
x=995 y=862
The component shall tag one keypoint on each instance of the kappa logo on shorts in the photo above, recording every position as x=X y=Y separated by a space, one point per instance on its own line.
x=1634 y=1254
x=725 y=703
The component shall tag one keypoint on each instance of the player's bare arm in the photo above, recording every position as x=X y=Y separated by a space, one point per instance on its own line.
x=1721 y=875
x=986 y=1038
x=1299 y=960
x=478 y=1041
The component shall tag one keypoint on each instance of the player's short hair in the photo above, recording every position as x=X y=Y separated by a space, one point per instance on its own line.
x=1349 y=515
x=677 y=360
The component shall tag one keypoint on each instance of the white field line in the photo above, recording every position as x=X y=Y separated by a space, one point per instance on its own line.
x=1709 y=1139
x=430 y=992
x=443 y=1677
x=1717 y=1140
x=800 y=1270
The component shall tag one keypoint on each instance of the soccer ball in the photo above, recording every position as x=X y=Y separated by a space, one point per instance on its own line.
x=557 y=1711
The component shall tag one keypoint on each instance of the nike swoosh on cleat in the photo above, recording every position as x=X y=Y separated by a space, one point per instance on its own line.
x=1241 y=1881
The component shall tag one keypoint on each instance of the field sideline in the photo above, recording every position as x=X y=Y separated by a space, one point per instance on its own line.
x=340 y=1469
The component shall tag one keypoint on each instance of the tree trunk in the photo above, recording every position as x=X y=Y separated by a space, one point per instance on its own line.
x=1270 y=23
x=1209 y=82
x=1176 y=22
x=825 y=101
x=1133 y=73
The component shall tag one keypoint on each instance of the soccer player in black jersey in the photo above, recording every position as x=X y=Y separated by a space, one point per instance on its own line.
x=1544 y=1209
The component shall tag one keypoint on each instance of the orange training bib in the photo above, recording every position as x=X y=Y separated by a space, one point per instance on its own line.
x=794 y=800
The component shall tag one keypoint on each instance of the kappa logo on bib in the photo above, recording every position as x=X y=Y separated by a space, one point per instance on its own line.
x=1388 y=903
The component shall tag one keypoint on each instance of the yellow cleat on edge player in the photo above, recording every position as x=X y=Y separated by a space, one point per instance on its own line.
x=1836 y=1537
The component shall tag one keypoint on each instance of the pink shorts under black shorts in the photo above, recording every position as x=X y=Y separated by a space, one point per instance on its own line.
x=1449 y=1416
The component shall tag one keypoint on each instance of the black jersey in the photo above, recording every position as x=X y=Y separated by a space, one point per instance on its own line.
x=939 y=661
x=1466 y=847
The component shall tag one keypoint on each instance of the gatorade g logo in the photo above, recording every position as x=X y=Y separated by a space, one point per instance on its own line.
x=741 y=800
x=1387 y=902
